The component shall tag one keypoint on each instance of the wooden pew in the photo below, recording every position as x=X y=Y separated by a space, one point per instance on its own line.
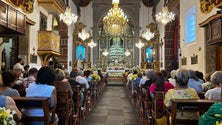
x=158 y=108
x=85 y=105
x=201 y=95
x=31 y=103
x=64 y=107
x=77 y=104
x=179 y=106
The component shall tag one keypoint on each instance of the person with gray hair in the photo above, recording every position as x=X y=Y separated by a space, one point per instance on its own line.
x=215 y=93
x=194 y=82
x=59 y=83
x=150 y=75
x=172 y=77
x=181 y=90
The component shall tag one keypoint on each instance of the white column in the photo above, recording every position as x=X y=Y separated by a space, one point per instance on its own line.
x=139 y=57
x=91 y=56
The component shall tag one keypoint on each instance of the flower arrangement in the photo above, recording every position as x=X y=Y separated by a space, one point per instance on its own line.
x=6 y=116
x=132 y=77
x=95 y=77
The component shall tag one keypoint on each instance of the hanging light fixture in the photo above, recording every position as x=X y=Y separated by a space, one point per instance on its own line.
x=68 y=17
x=148 y=34
x=92 y=44
x=84 y=34
x=165 y=16
x=115 y=22
x=105 y=53
x=127 y=53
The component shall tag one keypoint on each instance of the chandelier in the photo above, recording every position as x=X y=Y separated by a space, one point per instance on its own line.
x=68 y=17
x=147 y=35
x=115 y=22
x=140 y=44
x=92 y=44
x=105 y=53
x=165 y=16
x=127 y=53
x=84 y=34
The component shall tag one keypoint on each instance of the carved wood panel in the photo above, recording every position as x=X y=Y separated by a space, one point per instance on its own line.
x=216 y=30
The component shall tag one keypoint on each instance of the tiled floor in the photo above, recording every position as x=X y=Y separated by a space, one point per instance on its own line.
x=113 y=108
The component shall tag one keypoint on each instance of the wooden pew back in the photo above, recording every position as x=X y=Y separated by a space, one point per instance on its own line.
x=32 y=103
x=188 y=105
x=64 y=107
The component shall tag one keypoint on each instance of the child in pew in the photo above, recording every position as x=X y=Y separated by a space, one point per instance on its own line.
x=43 y=87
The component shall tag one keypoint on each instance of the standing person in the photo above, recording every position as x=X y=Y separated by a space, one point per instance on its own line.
x=19 y=65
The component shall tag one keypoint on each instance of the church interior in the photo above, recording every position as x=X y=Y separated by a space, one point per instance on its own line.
x=117 y=51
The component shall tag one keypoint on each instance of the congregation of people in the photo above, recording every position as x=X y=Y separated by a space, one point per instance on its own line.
x=46 y=81
x=43 y=82
x=177 y=84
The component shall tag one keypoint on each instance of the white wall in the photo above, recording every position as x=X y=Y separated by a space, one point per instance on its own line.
x=198 y=47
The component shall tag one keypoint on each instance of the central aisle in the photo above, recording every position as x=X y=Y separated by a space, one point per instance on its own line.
x=113 y=108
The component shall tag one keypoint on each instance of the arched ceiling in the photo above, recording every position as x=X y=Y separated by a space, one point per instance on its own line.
x=84 y=3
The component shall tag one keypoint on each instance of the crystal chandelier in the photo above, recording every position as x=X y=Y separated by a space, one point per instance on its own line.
x=115 y=22
x=140 y=44
x=84 y=34
x=92 y=44
x=68 y=17
x=127 y=53
x=105 y=53
x=147 y=35
x=165 y=16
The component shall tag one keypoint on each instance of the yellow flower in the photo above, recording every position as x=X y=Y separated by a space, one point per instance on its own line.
x=6 y=117
x=95 y=77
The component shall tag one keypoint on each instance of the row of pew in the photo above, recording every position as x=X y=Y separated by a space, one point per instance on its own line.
x=151 y=112
x=69 y=113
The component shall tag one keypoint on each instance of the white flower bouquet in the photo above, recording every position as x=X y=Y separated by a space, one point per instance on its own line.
x=6 y=116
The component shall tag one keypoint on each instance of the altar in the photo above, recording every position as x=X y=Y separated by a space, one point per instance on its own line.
x=115 y=71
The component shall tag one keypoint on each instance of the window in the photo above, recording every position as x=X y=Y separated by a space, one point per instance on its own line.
x=43 y=21
x=190 y=25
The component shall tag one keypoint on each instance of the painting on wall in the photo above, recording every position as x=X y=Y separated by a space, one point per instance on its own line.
x=80 y=52
x=149 y=54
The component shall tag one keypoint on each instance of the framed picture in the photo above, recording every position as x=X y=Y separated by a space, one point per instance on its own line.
x=184 y=61
x=33 y=58
x=194 y=59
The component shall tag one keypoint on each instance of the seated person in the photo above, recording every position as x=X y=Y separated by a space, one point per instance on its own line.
x=159 y=84
x=43 y=87
x=215 y=93
x=72 y=78
x=211 y=116
x=181 y=91
x=207 y=85
x=32 y=75
x=9 y=78
x=194 y=82
x=9 y=103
